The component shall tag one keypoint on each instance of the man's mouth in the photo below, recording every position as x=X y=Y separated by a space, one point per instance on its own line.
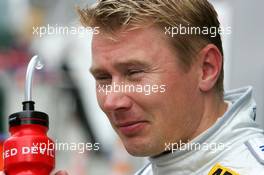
x=131 y=128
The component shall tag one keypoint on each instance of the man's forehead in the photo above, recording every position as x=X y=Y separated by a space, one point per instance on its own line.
x=140 y=44
x=127 y=36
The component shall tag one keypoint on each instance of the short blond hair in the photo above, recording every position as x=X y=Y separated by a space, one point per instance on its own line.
x=113 y=15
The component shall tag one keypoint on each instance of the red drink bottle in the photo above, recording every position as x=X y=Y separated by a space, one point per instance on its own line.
x=28 y=151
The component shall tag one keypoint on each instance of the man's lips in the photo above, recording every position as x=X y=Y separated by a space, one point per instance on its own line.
x=125 y=124
x=132 y=127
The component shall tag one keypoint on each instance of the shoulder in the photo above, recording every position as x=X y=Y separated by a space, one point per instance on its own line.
x=255 y=147
x=246 y=158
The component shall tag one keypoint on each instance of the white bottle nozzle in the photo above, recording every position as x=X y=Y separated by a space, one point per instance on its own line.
x=35 y=63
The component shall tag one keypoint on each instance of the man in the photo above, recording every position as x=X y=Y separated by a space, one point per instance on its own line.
x=140 y=45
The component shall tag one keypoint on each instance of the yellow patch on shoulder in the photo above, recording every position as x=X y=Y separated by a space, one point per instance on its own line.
x=221 y=170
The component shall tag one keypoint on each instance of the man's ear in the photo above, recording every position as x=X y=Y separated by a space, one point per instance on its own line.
x=211 y=61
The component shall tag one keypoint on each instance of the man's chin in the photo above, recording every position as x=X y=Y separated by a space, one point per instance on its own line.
x=140 y=149
x=138 y=153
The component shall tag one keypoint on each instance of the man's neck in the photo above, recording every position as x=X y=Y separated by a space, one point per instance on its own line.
x=214 y=107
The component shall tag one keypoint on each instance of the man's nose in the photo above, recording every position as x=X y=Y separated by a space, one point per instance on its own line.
x=117 y=101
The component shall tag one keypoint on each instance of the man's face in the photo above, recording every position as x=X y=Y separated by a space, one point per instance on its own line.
x=143 y=58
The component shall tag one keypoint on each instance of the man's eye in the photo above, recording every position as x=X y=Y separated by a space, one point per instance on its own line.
x=134 y=71
x=103 y=78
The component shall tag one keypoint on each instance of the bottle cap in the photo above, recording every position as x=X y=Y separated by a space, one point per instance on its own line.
x=28 y=116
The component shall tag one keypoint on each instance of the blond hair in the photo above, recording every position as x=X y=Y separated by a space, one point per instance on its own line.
x=113 y=15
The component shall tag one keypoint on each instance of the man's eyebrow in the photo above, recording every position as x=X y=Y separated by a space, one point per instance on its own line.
x=95 y=70
x=131 y=63
x=120 y=66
